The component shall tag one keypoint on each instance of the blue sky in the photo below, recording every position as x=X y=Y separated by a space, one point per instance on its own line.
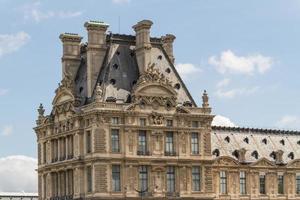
x=244 y=53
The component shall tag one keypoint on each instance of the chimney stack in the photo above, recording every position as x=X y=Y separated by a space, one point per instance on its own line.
x=143 y=45
x=71 y=53
x=96 y=50
x=168 y=45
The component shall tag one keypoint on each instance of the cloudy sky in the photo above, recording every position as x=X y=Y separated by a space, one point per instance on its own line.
x=244 y=53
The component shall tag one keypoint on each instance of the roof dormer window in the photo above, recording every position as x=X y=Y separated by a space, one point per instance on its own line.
x=216 y=152
x=291 y=155
x=254 y=154
x=227 y=139
x=246 y=140
x=265 y=141
x=282 y=142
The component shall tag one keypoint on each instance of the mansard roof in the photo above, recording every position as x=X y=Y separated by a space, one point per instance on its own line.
x=120 y=72
x=260 y=143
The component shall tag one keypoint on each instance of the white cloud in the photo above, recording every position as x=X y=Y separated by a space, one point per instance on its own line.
x=220 y=120
x=231 y=93
x=289 y=121
x=187 y=69
x=121 y=1
x=18 y=174
x=228 y=62
x=33 y=11
x=10 y=43
x=3 y=92
x=223 y=83
x=7 y=130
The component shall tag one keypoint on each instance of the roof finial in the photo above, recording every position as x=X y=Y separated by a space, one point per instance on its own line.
x=205 y=98
x=41 y=110
x=99 y=93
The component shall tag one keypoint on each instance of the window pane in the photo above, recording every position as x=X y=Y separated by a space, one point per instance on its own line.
x=262 y=186
x=89 y=178
x=143 y=177
x=88 y=142
x=223 y=182
x=170 y=179
x=169 y=142
x=116 y=181
x=115 y=140
x=280 y=184
x=142 y=143
x=298 y=184
x=194 y=143
x=242 y=182
x=196 y=178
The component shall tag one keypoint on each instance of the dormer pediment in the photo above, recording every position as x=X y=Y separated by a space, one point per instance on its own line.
x=263 y=162
x=62 y=96
x=225 y=161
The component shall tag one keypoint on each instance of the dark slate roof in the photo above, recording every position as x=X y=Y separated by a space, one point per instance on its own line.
x=120 y=71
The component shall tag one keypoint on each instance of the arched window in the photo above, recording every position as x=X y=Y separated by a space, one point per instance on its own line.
x=216 y=152
x=255 y=154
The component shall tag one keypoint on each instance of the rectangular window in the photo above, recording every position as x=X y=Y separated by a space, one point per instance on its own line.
x=89 y=179
x=116 y=178
x=195 y=143
x=88 y=142
x=45 y=152
x=262 y=184
x=196 y=178
x=142 y=149
x=242 y=183
x=223 y=182
x=298 y=184
x=170 y=179
x=115 y=120
x=143 y=179
x=142 y=122
x=280 y=184
x=169 y=143
x=169 y=122
x=115 y=140
x=195 y=124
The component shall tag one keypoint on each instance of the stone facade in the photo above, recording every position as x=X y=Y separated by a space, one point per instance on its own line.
x=124 y=126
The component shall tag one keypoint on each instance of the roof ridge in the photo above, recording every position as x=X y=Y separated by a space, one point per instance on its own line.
x=265 y=130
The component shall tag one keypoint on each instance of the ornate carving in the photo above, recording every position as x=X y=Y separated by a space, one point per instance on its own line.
x=156 y=118
x=205 y=98
x=98 y=93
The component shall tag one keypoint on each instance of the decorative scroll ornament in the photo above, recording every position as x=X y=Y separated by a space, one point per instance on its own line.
x=153 y=75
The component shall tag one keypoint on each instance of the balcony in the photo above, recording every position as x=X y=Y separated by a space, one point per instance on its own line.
x=143 y=153
x=170 y=153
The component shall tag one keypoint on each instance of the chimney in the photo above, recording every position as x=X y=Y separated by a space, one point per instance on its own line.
x=71 y=54
x=96 y=50
x=242 y=155
x=143 y=45
x=278 y=157
x=168 y=45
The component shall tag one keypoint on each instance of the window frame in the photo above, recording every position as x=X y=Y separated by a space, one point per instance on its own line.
x=89 y=179
x=142 y=144
x=262 y=184
x=88 y=142
x=170 y=179
x=169 y=143
x=143 y=179
x=298 y=184
x=116 y=178
x=223 y=182
x=196 y=179
x=195 y=144
x=243 y=183
x=115 y=141
x=280 y=184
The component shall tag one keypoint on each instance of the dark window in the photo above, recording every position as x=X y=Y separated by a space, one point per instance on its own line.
x=255 y=154
x=195 y=124
x=280 y=184
x=168 y=70
x=196 y=178
x=118 y=52
x=142 y=143
x=216 y=152
x=227 y=139
x=262 y=184
x=282 y=142
x=246 y=140
x=116 y=180
x=242 y=183
x=177 y=86
x=115 y=145
x=112 y=81
x=265 y=141
x=115 y=120
x=142 y=122
x=143 y=177
x=291 y=155
x=195 y=143
x=159 y=57
x=115 y=66
x=170 y=179
x=169 y=122
x=223 y=182
x=169 y=143
x=88 y=142
x=298 y=184
x=89 y=179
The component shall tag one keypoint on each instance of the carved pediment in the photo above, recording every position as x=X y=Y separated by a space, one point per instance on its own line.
x=263 y=162
x=63 y=96
x=225 y=161
x=294 y=164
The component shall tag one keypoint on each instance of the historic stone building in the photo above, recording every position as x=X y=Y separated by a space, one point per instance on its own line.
x=124 y=126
